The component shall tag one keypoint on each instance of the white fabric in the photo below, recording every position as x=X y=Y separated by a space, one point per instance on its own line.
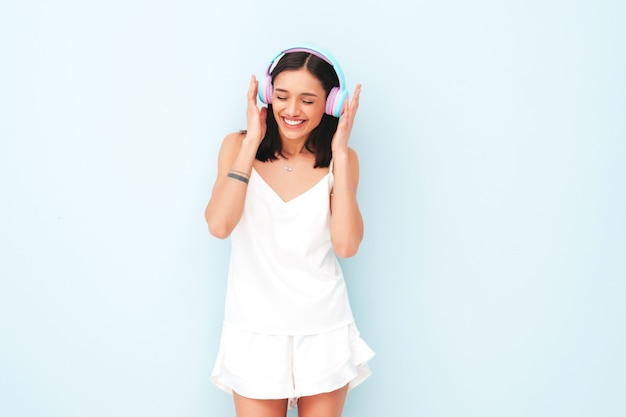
x=275 y=367
x=284 y=276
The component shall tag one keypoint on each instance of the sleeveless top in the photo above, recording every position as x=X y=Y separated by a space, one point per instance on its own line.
x=284 y=277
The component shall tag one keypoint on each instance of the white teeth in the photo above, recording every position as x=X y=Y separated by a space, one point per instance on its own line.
x=293 y=122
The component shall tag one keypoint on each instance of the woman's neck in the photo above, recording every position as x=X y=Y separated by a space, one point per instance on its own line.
x=290 y=149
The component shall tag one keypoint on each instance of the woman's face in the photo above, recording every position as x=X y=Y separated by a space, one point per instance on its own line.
x=298 y=102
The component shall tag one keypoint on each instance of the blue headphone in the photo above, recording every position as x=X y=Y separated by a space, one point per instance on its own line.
x=337 y=96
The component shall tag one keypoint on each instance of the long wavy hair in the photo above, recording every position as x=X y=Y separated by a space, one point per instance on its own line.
x=319 y=141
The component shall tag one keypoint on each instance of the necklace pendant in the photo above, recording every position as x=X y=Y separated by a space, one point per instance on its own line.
x=288 y=169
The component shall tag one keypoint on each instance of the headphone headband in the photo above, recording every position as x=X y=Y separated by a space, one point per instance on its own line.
x=337 y=96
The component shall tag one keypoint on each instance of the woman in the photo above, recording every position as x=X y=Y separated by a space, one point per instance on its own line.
x=286 y=194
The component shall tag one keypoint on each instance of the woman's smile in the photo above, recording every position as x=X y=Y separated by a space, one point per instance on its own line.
x=293 y=123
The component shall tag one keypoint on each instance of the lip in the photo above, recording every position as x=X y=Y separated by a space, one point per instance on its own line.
x=292 y=126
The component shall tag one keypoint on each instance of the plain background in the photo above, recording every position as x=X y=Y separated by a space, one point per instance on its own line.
x=491 y=281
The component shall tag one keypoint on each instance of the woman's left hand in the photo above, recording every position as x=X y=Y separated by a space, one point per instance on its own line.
x=346 y=121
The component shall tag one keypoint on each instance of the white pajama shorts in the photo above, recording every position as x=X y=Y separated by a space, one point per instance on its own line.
x=262 y=366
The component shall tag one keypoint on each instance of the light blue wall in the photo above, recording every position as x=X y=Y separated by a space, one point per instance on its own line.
x=492 y=278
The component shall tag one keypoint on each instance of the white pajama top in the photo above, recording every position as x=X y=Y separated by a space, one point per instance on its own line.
x=284 y=276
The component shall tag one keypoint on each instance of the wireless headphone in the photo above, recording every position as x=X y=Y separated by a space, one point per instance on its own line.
x=337 y=96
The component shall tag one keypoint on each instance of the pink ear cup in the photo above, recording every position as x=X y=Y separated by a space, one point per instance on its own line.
x=265 y=90
x=335 y=101
x=331 y=100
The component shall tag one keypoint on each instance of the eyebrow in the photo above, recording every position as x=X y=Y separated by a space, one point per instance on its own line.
x=282 y=90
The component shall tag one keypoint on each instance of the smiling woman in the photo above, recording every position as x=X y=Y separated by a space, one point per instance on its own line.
x=289 y=335
x=317 y=81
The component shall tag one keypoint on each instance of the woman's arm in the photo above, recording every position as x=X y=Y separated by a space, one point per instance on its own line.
x=237 y=154
x=346 y=222
x=226 y=204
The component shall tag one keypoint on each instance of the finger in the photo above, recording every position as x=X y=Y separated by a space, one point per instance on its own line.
x=355 y=98
x=350 y=106
x=263 y=114
x=252 y=89
x=344 y=110
x=263 y=120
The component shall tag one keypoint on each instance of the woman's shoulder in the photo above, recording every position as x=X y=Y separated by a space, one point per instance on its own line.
x=233 y=140
x=352 y=152
x=353 y=156
x=231 y=144
x=235 y=137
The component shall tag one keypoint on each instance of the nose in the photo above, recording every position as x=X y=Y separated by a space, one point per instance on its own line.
x=292 y=108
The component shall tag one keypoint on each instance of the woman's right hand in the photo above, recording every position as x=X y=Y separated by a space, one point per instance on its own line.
x=256 y=118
